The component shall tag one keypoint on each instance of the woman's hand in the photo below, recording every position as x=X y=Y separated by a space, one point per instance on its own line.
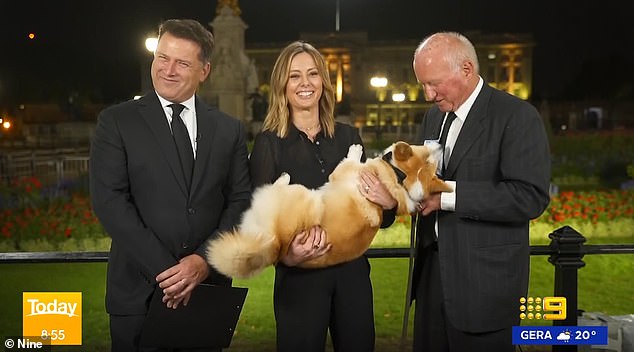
x=306 y=245
x=375 y=191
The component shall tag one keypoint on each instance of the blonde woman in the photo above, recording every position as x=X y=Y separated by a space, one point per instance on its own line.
x=300 y=137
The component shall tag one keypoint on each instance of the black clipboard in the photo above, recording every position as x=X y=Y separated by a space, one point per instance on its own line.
x=208 y=321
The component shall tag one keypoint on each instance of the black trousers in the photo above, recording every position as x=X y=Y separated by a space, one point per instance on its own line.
x=125 y=332
x=433 y=332
x=308 y=302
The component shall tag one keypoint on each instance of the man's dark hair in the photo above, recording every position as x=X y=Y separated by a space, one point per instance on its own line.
x=191 y=30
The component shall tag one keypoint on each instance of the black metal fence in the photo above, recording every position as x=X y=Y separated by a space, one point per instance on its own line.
x=566 y=251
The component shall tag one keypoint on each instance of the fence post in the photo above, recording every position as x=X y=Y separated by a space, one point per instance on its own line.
x=567 y=246
x=59 y=170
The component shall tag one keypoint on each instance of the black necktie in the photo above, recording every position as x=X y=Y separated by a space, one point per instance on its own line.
x=429 y=222
x=183 y=142
x=443 y=136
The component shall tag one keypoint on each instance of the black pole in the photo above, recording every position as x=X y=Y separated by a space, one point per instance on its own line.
x=567 y=245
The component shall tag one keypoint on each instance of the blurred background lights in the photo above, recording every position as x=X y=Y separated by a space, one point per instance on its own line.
x=31 y=35
x=151 y=43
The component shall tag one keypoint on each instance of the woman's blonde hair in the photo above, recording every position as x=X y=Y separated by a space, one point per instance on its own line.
x=278 y=117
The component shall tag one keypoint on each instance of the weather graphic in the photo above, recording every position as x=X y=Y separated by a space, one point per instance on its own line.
x=564 y=336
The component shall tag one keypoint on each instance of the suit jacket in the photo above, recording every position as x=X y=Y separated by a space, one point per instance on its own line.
x=138 y=193
x=501 y=165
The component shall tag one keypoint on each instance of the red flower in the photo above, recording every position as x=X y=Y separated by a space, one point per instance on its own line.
x=36 y=183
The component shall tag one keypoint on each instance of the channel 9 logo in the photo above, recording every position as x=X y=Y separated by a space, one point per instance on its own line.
x=547 y=308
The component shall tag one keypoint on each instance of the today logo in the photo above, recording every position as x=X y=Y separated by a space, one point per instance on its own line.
x=54 y=316
x=54 y=307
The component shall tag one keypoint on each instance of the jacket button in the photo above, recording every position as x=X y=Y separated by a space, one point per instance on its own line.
x=191 y=211
x=185 y=246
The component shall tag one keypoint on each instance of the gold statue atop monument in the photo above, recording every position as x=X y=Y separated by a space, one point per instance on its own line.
x=232 y=4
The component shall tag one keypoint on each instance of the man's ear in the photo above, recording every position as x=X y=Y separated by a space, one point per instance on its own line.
x=468 y=68
x=206 y=71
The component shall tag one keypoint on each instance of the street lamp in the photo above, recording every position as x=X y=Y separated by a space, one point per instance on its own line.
x=6 y=124
x=379 y=83
x=151 y=43
x=146 y=80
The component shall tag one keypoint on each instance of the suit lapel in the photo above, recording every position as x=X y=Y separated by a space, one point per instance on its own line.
x=154 y=115
x=436 y=124
x=206 y=125
x=470 y=131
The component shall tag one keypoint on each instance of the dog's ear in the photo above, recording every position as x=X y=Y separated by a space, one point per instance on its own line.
x=402 y=151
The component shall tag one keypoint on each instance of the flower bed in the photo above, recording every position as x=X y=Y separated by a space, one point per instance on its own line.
x=33 y=220
x=591 y=213
x=590 y=206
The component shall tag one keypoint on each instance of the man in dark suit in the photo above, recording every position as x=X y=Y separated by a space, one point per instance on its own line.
x=158 y=208
x=472 y=263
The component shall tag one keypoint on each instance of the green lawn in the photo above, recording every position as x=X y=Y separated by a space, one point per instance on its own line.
x=604 y=286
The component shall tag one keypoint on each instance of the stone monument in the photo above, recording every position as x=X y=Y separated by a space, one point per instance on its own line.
x=233 y=75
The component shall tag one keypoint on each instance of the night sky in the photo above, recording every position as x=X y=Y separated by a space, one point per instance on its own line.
x=585 y=49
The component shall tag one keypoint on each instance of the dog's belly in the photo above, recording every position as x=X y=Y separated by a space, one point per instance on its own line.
x=282 y=211
x=348 y=228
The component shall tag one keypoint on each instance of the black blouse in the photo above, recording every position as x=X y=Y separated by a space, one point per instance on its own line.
x=308 y=163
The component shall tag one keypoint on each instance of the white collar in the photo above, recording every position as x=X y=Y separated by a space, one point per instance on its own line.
x=189 y=103
x=464 y=109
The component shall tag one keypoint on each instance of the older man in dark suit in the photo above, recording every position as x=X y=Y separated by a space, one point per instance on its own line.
x=472 y=263
x=167 y=173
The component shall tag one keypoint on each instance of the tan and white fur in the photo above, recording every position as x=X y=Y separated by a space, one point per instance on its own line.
x=280 y=210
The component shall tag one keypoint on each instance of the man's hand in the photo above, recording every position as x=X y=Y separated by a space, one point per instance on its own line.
x=173 y=303
x=179 y=281
x=429 y=204
x=307 y=245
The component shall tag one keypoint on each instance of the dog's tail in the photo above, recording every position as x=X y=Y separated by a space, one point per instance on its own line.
x=240 y=255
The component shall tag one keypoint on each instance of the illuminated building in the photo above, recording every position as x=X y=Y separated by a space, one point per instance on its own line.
x=505 y=63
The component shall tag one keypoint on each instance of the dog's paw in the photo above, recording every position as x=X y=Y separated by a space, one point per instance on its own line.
x=355 y=152
x=284 y=179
